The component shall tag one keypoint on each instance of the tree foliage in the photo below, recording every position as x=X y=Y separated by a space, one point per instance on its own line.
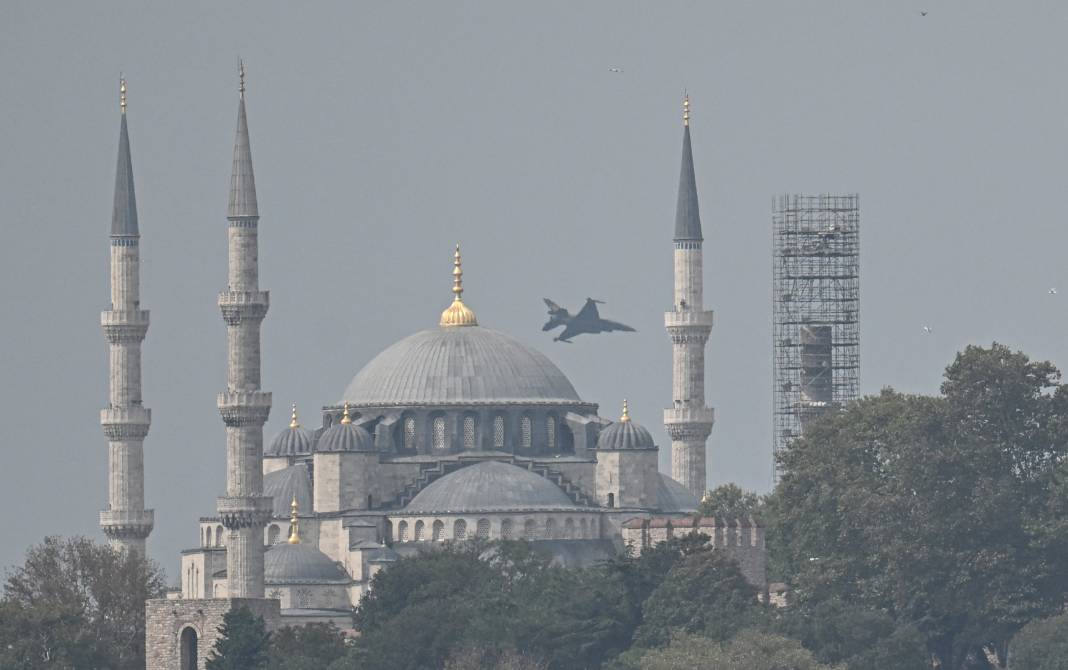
x=935 y=509
x=310 y=647
x=243 y=642
x=730 y=501
x=77 y=604
x=1041 y=645
x=749 y=650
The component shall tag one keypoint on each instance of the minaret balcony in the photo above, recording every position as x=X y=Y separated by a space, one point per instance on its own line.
x=238 y=306
x=244 y=511
x=689 y=415
x=124 y=326
x=688 y=318
x=125 y=423
x=244 y=408
x=127 y=523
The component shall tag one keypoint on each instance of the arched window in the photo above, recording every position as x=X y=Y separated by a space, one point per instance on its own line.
x=498 y=432
x=583 y=529
x=409 y=433
x=482 y=529
x=469 y=432
x=370 y=501
x=272 y=533
x=506 y=529
x=419 y=531
x=219 y=537
x=389 y=531
x=525 y=432
x=550 y=432
x=530 y=530
x=611 y=499
x=402 y=531
x=439 y=531
x=550 y=529
x=188 y=653
x=440 y=436
x=459 y=530
x=569 y=528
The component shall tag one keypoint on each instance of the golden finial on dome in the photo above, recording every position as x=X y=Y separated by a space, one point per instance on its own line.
x=685 y=109
x=626 y=413
x=457 y=314
x=294 y=533
x=293 y=418
x=345 y=418
x=706 y=498
x=122 y=93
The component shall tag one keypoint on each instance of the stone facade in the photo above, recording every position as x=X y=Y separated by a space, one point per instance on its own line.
x=180 y=634
x=741 y=539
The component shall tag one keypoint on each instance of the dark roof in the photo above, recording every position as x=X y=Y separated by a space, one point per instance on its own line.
x=285 y=484
x=687 y=215
x=345 y=437
x=242 y=181
x=300 y=564
x=672 y=496
x=291 y=441
x=124 y=213
x=490 y=486
x=625 y=435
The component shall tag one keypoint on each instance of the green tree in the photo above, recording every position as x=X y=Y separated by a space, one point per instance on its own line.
x=243 y=642
x=935 y=509
x=480 y=658
x=311 y=647
x=703 y=593
x=1041 y=645
x=749 y=650
x=77 y=604
x=730 y=501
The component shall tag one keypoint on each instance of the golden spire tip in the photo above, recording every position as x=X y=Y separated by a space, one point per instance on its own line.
x=241 y=78
x=293 y=418
x=685 y=109
x=294 y=534
x=458 y=314
x=122 y=93
x=345 y=418
x=626 y=413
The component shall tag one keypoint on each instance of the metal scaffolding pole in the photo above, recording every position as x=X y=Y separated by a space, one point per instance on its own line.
x=815 y=309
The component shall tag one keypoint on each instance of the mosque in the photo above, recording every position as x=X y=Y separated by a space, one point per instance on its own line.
x=452 y=434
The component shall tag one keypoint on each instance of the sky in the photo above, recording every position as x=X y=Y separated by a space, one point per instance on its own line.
x=384 y=133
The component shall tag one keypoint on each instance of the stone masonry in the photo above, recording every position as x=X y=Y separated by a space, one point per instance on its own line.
x=125 y=420
x=180 y=634
x=688 y=421
x=244 y=510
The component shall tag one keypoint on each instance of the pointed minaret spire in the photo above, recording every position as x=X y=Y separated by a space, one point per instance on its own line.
x=688 y=420
x=687 y=215
x=125 y=420
x=242 y=181
x=124 y=213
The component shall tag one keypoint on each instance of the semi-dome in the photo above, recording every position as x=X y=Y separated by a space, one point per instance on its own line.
x=287 y=485
x=625 y=434
x=489 y=486
x=672 y=496
x=294 y=440
x=459 y=365
x=345 y=436
x=300 y=564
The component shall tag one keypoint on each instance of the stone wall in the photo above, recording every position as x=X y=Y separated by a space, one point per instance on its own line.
x=168 y=620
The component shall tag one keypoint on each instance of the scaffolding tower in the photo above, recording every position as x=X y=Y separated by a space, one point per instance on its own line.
x=815 y=309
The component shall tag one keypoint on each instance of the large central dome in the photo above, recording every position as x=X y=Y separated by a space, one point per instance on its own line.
x=453 y=366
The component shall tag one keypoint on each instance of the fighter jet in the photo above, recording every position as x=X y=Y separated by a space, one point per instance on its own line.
x=588 y=320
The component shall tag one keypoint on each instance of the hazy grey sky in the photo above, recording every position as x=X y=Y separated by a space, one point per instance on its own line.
x=382 y=133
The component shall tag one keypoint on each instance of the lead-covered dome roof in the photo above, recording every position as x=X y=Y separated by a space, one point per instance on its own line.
x=459 y=365
x=489 y=486
x=300 y=564
x=345 y=436
x=625 y=434
x=294 y=440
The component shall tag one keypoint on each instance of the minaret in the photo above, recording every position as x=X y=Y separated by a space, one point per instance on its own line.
x=244 y=407
x=125 y=420
x=688 y=421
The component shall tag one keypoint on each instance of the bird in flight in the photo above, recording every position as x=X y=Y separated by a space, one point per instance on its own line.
x=928 y=330
x=618 y=70
x=1053 y=291
x=923 y=13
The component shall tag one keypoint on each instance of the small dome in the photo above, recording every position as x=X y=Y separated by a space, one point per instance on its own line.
x=345 y=436
x=301 y=564
x=294 y=440
x=286 y=484
x=489 y=486
x=625 y=434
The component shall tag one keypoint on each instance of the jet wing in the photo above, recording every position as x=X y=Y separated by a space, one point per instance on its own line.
x=589 y=311
x=607 y=326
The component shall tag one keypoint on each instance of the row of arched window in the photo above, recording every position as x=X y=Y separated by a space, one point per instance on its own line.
x=551 y=529
x=469 y=435
x=213 y=537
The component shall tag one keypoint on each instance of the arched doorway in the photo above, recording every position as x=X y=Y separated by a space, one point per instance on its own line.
x=188 y=646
